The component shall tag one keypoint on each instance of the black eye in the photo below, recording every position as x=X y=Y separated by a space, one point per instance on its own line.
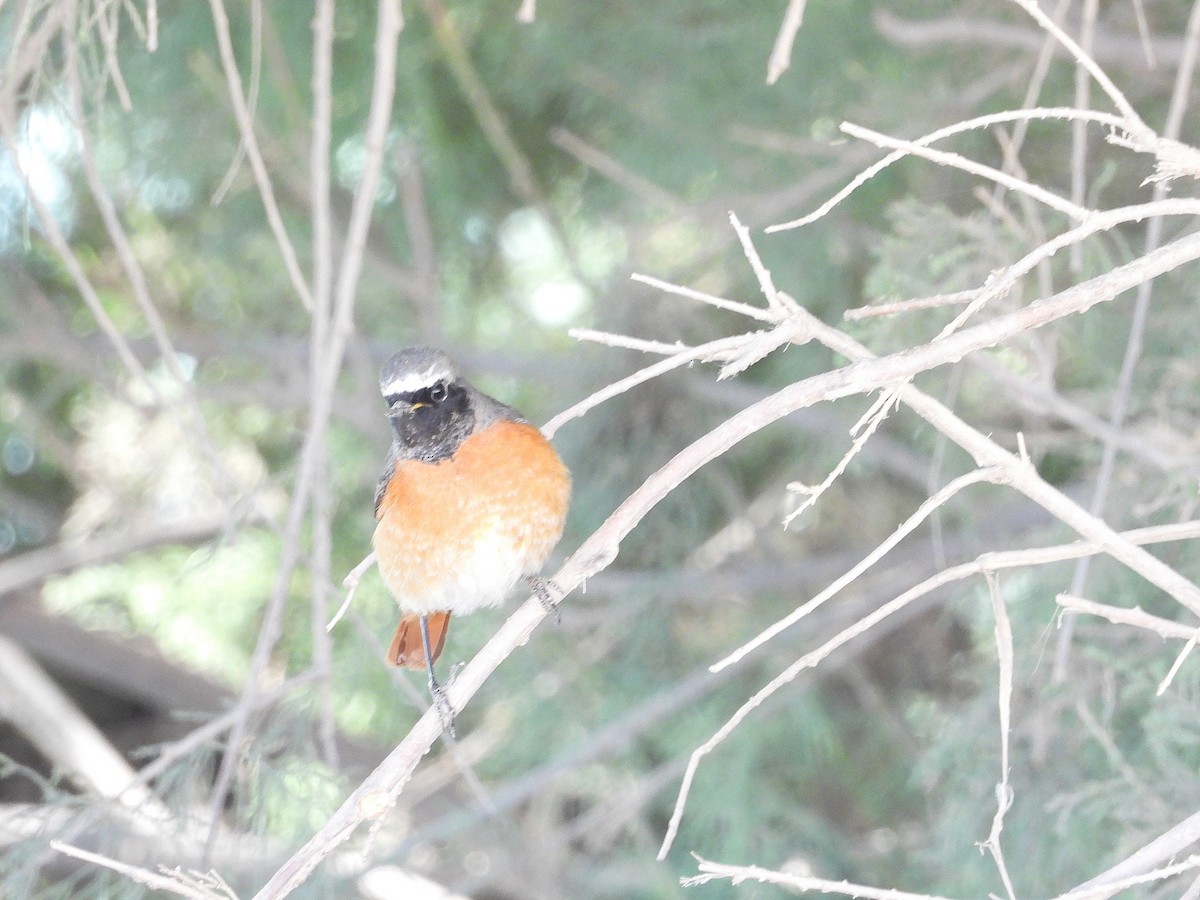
x=438 y=392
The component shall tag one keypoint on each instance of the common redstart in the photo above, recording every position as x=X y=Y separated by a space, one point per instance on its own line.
x=472 y=499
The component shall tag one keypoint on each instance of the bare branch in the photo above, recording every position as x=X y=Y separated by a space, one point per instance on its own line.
x=1132 y=120
x=738 y=874
x=1020 y=115
x=40 y=710
x=36 y=566
x=1136 y=616
x=781 y=53
x=962 y=163
x=527 y=12
x=197 y=887
x=1004 y=791
x=262 y=178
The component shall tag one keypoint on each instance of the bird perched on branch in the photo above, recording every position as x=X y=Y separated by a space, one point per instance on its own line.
x=472 y=500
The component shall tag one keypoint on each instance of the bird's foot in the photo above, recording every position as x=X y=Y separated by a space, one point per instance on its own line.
x=445 y=710
x=548 y=593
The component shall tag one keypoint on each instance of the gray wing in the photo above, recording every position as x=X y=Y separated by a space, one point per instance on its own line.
x=388 y=468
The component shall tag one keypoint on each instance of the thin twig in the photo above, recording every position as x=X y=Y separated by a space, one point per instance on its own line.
x=872 y=419
x=1079 y=144
x=745 y=309
x=256 y=54
x=1019 y=115
x=1136 y=617
x=1004 y=791
x=936 y=301
x=1108 y=888
x=175 y=882
x=900 y=532
x=350 y=583
x=58 y=242
x=527 y=12
x=1037 y=79
x=777 y=301
x=962 y=163
x=781 y=53
x=1132 y=120
x=321 y=551
x=738 y=874
x=1001 y=282
x=258 y=166
x=638 y=185
x=711 y=350
x=1163 y=685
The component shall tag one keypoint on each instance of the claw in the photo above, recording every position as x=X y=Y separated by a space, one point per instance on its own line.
x=445 y=710
x=548 y=593
x=436 y=691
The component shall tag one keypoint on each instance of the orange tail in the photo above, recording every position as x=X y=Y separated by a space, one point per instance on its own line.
x=408 y=650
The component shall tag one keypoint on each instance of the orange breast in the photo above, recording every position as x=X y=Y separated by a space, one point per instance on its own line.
x=457 y=535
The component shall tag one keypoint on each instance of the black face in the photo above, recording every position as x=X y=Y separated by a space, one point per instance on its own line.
x=431 y=423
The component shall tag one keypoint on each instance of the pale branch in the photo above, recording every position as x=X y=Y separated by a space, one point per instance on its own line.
x=256 y=58
x=1079 y=136
x=1115 y=50
x=70 y=260
x=877 y=310
x=1180 y=659
x=321 y=527
x=527 y=12
x=1021 y=115
x=35 y=566
x=862 y=432
x=778 y=302
x=1004 y=661
x=781 y=53
x=963 y=164
x=39 y=709
x=1138 y=869
x=604 y=164
x=1037 y=79
x=1133 y=121
x=350 y=583
x=711 y=350
x=745 y=309
x=999 y=284
x=711 y=871
x=193 y=886
x=249 y=141
x=1137 y=617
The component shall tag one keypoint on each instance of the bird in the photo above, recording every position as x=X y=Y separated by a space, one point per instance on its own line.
x=473 y=499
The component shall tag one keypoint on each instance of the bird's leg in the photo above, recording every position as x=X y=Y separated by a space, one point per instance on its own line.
x=549 y=593
x=445 y=711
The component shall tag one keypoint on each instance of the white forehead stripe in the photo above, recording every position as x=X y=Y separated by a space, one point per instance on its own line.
x=413 y=381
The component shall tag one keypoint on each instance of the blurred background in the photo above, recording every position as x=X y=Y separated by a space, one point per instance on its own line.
x=158 y=368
